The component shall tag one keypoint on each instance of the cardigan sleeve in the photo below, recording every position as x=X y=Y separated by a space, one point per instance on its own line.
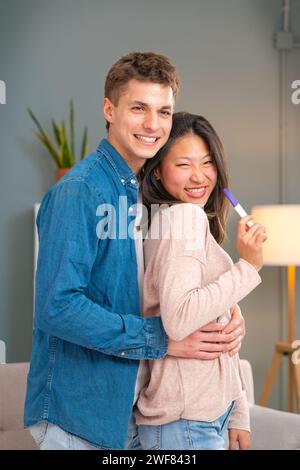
x=240 y=417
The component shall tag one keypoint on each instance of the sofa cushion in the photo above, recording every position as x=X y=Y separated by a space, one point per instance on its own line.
x=17 y=440
x=12 y=395
x=274 y=429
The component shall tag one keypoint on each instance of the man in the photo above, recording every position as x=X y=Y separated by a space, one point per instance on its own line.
x=89 y=335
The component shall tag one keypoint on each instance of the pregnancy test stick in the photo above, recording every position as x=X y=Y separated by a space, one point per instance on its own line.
x=237 y=206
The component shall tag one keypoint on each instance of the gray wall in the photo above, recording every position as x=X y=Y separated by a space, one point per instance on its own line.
x=53 y=51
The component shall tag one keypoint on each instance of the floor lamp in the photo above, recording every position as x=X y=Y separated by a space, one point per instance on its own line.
x=282 y=249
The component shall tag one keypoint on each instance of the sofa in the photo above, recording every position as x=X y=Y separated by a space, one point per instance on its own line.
x=13 y=436
x=271 y=429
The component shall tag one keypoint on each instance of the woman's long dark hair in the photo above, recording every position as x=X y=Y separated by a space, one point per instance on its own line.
x=153 y=191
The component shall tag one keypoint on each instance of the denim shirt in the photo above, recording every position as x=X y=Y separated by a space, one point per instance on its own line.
x=88 y=334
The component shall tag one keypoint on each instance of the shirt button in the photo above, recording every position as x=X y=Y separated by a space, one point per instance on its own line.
x=130 y=209
x=133 y=181
x=122 y=180
x=122 y=353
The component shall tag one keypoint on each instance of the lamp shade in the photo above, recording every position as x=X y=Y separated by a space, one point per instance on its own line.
x=282 y=223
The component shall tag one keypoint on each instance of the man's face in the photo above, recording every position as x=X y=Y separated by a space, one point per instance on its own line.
x=141 y=122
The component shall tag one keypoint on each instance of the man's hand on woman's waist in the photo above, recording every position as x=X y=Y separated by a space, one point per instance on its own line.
x=212 y=339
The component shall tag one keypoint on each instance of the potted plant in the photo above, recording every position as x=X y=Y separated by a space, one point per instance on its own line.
x=63 y=151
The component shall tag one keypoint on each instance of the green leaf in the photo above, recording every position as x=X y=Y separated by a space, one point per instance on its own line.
x=66 y=152
x=65 y=155
x=36 y=121
x=56 y=132
x=72 y=142
x=84 y=146
x=44 y=139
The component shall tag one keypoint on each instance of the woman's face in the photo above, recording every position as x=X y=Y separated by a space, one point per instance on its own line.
x=188 y=172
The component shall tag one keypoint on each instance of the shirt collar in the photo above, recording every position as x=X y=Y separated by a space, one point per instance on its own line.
x=122 y=169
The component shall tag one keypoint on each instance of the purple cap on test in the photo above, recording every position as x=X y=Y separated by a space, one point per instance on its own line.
x=229 y=196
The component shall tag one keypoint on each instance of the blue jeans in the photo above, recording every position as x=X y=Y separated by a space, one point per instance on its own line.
x=51 y=437
x=186 y=434
x=133 y=440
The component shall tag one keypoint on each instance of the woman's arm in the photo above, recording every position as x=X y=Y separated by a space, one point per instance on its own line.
x=185 y=304
x=239 y=421
x=210 y=341
x=185 y=307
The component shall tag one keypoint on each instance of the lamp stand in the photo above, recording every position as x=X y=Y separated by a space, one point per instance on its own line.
x=285 y=349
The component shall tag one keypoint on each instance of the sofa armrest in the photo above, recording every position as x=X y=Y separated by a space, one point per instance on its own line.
x=274 y=429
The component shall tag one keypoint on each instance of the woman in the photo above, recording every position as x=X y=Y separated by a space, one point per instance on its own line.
x=189 y=281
